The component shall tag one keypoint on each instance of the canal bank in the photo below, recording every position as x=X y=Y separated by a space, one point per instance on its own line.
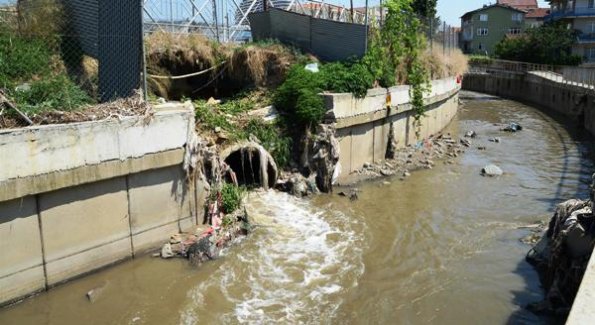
x=428 y=249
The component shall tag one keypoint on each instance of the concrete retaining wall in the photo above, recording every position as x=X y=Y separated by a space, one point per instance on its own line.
x=78 y=197
x=545 y=90
x=363 y=125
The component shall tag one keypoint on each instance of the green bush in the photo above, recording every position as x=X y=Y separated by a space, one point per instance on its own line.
x=21 y=59
x=272 y=139
x=57 y=92
x=480 y=59
x=298 y=96
x=548 y=44
x=351 y=77
x=231 y=197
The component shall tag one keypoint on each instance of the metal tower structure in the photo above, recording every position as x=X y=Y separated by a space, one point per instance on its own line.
x=227 y=20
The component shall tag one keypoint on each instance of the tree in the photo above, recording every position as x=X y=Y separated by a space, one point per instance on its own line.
x=548 y=44
x=424 y=8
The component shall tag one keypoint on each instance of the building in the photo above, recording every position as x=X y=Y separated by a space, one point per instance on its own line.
x=580 y=15
x=525 y=5
x=536 y=17
x=483 y=28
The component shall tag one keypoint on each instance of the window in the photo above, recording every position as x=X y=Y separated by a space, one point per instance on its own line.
x=591 y=53
x=514 y=31
x=517 y=17
x=480 y=47
x=593 y=27
x=482 y=31
x=483 y=17
x=591 y=4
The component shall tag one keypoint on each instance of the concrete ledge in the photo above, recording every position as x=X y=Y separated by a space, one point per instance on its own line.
x=394 y=110
x=19 y=187
x=374 y=105
x=51 y=148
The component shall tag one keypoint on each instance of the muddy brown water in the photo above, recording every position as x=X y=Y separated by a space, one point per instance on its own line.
x=441 y=247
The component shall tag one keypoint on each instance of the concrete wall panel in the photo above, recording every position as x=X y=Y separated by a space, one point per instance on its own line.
x=83 y=217
x=156 y=203
x=21 y=261
x=362 y=145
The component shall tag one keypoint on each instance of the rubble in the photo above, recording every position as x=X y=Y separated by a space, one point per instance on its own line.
x=207 y=241
x=562 y=254
x=413 y=157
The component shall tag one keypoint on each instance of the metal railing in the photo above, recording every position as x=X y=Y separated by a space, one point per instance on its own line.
x=576 y=12
x=576 y=76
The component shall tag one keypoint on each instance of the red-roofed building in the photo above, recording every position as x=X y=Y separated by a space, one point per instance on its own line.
x=520 y=4
x=536 y=17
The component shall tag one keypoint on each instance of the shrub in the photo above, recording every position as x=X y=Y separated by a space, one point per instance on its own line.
x=350 y=77
x=58 y=92
x=21 y=59
x=272 y=139
x=231 y=197
x=298 y=96
x=480 y=59
x=548 y=44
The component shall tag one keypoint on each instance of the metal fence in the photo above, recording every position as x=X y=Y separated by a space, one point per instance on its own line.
x=571 y=75
x=96 y=45
x=329 y=40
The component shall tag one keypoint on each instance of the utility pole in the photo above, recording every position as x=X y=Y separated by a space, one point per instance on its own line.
x=444 y=39
x=381 y=12
x=351 y=9
x=366 y=24
x=216 y=20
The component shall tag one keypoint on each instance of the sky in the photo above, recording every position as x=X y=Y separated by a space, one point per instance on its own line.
x=451 y=10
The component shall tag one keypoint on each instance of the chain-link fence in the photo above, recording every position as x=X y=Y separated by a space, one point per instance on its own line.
x=64 y=54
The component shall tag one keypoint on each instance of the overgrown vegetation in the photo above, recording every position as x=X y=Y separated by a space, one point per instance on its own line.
x=480 y=59
x=33 y=70
x=231 y=119
x=231 y=197
x=395 y=55
x=548 y=44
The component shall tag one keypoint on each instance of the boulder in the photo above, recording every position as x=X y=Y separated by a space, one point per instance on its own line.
x=491 y=170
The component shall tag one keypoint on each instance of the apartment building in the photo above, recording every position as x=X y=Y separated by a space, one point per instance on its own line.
x=580 y=15
x=483 y=28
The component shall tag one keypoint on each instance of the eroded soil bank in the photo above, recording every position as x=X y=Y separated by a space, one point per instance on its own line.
x=441 y=246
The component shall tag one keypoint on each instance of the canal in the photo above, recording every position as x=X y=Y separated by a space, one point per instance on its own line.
x=440 y=247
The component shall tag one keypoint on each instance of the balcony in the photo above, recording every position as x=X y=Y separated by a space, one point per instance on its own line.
x=586 y=38
x=571 y=13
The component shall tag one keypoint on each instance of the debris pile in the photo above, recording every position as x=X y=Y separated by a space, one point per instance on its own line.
x=415 y=157
x=205 y=243
x=562 y=254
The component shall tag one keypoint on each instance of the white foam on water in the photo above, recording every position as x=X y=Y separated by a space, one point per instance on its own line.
x=299 y=262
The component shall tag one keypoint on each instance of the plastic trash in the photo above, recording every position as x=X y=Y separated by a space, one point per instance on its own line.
x=312 y=67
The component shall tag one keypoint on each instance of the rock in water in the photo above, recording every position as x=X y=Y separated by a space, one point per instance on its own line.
x=166 y=251
x=491 y=170
x=513 y=127
x=470 y=134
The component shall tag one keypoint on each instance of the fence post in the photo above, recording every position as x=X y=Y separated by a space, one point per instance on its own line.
x=444 y=39
x=143 y=52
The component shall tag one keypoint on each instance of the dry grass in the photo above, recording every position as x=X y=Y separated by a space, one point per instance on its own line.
x=117 y=109
x=40 y=18
x=264 y=65
x=443 y=65
x=195 y=49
